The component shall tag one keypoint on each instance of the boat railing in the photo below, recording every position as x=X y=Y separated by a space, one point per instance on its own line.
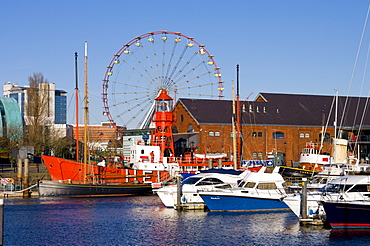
x=281 y=191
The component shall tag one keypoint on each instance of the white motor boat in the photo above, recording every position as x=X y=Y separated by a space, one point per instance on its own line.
x=258 y=191
x=344 y=188
x=214 y=178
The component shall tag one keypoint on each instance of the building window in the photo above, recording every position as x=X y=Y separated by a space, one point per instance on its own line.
x=307 y=135
x=301 y=135
x=259 y=134
x=278 y=135
x=211 y=133
x=254 y=134
x=260 y=155
x=254 y=155
x=217 y=134
x=175 y=130
x=182 y=118
x=190 y=128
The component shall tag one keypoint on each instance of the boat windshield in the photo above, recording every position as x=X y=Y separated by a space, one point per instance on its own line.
x=191 y=180
x=209 y=181
x=335 y=188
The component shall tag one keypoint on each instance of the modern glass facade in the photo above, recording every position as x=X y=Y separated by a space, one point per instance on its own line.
x=11 y=119
x=60 y=107
x=57 y=105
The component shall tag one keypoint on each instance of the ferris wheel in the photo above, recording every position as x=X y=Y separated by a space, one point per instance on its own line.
x=153 y=62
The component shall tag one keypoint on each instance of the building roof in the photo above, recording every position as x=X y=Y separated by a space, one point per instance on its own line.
x=282 y=109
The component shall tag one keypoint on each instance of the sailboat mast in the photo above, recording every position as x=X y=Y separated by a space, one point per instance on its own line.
x=238 y=116
x=86 y=118
x=76 y=91
x=335 y=127
x=233 y=128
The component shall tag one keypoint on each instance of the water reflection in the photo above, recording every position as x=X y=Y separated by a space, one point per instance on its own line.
x=143 y=220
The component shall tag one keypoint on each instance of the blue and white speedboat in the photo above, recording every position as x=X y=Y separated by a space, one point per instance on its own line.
x=206 y=180
x=258 y=191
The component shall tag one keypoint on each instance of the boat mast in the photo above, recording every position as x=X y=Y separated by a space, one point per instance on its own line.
x=239 y=154
x=335 y=126
x=233 y=128
x=76 y=91
x=86 y=112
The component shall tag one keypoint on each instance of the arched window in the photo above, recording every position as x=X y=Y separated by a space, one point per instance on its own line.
x=278 y=135
x=217 y=134
x=260 y=155
x=259 y=134
x=254 y=155
x=190 y=128
x=301 y=135
x=175 y=130
x=211 y=133
x=307 y=135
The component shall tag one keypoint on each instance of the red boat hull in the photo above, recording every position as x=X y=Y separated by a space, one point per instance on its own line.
x=72 y=171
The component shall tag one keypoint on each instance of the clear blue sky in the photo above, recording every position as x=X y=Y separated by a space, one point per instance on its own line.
x=303 y=47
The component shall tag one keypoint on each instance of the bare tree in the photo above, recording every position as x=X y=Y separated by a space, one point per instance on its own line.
x=36 y=112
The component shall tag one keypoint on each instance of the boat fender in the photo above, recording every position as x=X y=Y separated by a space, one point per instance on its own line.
x=183 y=199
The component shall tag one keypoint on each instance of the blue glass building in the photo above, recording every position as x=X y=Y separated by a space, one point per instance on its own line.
x=11 y=119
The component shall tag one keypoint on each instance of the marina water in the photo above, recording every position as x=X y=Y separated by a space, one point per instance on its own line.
x=143 y=220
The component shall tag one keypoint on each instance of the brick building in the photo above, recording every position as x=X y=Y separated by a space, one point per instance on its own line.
x=272 y=126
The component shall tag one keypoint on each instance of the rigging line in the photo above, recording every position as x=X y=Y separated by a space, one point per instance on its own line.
x=364 y=113
x=189 y=60
x=327 y=124
x=362 y=85
x=135 y=70
x=354 y=66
